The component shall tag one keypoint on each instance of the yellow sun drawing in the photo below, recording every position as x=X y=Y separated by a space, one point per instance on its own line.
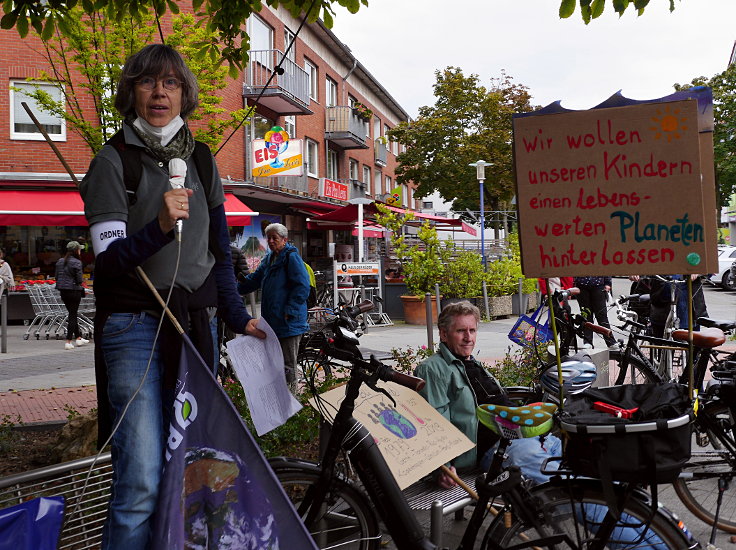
x=668 y=124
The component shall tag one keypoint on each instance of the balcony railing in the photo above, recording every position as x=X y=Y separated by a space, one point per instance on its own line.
x=287 y=93
x=345 y=128
x=381 y=152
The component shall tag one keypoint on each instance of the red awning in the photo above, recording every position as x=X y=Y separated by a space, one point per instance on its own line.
x=36 y=207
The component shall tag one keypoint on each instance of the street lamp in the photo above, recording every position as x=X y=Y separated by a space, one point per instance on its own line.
x=360 y=201
x=480 y=167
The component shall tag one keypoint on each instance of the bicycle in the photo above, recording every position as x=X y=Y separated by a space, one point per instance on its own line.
x=565 y=512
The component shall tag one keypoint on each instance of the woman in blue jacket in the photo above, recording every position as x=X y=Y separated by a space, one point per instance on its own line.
x=285 y=284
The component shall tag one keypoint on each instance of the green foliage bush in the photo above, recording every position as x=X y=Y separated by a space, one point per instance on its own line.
x=520 y=365
x=463 y=273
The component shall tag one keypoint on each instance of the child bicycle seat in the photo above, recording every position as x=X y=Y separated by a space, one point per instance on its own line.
x=517 y=422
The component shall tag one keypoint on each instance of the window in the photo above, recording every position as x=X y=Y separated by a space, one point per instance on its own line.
x=404 y=195
x=330 y=92
x=332 y=165
x=261 y=35
x=376 y=127
x=290 y=125
x=428 y=205
x=313 y=82
x=377 y=178
x=367 y=179
x=395 y=147
x=354 y=170
x=388 y=184
x=312 y=156
x=21 y=124
x=288 y=39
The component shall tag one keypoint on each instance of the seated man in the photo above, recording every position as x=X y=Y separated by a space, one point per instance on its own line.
x=456 y=383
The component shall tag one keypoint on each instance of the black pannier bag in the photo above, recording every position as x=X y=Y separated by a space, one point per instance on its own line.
x=650 y=446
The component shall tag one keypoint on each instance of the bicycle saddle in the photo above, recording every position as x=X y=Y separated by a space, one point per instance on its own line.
x=725 y=326
x=517 y=422
x=704 y=338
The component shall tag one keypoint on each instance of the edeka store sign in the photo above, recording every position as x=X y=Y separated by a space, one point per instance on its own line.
x=615 y=191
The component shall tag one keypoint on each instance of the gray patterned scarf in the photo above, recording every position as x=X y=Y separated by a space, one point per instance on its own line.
x=181 y=147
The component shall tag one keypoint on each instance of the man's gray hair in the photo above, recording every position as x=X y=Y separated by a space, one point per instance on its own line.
x=156 y=60
x=277 y=228
x=458 y=309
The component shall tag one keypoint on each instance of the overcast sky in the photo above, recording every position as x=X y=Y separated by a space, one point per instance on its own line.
x=403 y=42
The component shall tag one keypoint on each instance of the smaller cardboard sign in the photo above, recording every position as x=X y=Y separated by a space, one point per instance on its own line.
x=330 y=189
x=269 y=158
x=357 y=269
x=413 y=437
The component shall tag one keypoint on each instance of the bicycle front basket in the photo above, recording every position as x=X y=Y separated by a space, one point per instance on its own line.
x=641 y=434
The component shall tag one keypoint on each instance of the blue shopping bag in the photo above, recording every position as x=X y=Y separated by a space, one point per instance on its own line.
x=528 y=329
x=32 y=525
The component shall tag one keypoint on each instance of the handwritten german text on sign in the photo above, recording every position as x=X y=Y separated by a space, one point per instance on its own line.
x=612 y=191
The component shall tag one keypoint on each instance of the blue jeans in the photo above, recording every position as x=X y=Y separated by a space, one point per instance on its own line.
x=528 y=454
x=138 y=443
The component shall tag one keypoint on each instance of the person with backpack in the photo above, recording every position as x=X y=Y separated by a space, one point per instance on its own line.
x=285 y=288
x=69 y=284
x=132 y=201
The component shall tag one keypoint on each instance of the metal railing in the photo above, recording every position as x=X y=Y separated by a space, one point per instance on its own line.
x=343 y=120
x=293 y=81
x=381 y=153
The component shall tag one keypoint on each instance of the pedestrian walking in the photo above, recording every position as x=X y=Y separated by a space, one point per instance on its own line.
x=69 y=284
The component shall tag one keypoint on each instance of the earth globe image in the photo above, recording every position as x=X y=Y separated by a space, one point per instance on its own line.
x=224 y=505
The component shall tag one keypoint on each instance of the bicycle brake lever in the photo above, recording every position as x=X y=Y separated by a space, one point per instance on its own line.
x=375 y=388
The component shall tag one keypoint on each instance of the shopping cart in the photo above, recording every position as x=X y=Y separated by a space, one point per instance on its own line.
x=51 y=313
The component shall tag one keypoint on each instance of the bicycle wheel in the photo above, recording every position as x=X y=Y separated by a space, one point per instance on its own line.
x=697 y=487
x=633 y=372
x=346 y=520
x=576 y=508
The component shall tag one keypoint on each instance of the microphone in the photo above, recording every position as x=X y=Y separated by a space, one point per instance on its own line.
x=177 y=176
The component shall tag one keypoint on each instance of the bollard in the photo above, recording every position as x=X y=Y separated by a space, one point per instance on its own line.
x=485 y=301
x=428 y=305
x=4 y=323
x=437 y=296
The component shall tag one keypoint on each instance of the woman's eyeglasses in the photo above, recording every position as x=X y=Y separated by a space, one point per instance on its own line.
x=149 y=83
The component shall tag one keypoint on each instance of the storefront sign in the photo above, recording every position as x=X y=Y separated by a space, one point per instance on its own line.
x=333 y=189
x=278 y=156
x=357 y=269
x=613 y=191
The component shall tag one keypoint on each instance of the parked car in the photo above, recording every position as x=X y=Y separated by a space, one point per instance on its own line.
x=732 y=279
x=725 y=276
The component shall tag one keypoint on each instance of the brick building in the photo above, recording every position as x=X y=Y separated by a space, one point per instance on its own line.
x=321 y=94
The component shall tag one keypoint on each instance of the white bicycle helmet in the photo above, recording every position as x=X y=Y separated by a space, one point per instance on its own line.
x=578 y=374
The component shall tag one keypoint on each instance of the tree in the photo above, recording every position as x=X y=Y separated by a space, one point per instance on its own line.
x=224 y=19
x=468 y=122
x=95 y=49
x=592 y=9
x=724 y=130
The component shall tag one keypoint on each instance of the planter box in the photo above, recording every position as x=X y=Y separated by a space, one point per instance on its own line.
x=500 y=306
x=530 y=302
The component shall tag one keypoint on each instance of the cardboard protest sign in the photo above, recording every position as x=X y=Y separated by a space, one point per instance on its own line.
x=615 y=191
x=413 y=437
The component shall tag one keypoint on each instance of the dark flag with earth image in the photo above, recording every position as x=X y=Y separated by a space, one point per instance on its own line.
x=218 y=491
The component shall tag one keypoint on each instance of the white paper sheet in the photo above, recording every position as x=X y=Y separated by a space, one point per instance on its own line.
x=259 y=366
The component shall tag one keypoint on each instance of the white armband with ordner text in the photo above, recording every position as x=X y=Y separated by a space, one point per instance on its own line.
x=103 y=233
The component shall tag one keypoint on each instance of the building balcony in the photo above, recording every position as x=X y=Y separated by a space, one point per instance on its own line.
x=287 y=93
x=290 y=184
x=380 y=150
x=344 y=128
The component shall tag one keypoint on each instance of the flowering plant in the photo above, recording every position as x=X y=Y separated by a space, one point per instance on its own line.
x=408 y=358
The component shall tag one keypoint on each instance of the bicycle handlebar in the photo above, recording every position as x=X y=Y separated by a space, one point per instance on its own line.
x=598 y=329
